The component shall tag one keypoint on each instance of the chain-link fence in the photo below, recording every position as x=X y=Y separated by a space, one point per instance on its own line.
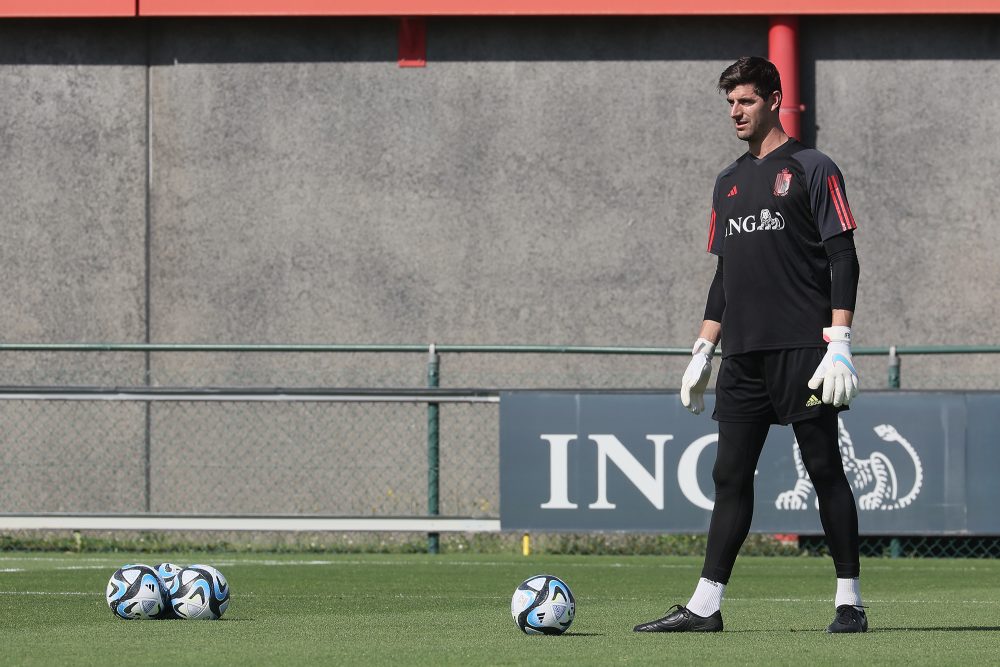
x=230 y=431
x=935 y=546
x=298 y=456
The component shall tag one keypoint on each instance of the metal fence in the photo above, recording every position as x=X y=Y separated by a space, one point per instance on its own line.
x=275 y=437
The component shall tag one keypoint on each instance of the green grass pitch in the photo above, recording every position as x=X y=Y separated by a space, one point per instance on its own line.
x=454 y=609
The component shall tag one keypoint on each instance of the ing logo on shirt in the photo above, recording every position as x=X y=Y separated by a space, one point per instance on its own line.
x=766 y=221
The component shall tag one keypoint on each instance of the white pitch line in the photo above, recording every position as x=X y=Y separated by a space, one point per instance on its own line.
x=406 y=562
x=797 y=566
x=867 y=601
x=52 y=558
x=45 y=593
x=497 y=597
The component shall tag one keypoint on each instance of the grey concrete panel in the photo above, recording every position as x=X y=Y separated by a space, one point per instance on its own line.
x=72 y=259
x=908 y=112
x=72 y=180
x=550 y=192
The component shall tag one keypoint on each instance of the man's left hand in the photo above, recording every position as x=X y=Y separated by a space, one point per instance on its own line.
x=836 y=372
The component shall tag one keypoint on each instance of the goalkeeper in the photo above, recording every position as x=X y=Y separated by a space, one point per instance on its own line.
x=782 y=302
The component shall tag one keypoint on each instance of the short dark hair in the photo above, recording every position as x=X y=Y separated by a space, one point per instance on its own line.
x=758 y=72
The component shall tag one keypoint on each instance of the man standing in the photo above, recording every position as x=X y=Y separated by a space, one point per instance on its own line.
x=782 y=301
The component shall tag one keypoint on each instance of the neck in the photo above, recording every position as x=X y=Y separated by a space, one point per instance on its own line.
x=773 y=139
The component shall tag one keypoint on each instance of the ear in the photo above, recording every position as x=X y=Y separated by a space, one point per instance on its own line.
x=774 y=101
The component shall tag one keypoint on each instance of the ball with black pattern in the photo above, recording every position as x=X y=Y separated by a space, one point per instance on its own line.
x=543 y=605
x=168 y=573
x=136 y=591
x=202 y=593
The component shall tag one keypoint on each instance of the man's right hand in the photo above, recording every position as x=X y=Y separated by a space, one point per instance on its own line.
x=696 y=377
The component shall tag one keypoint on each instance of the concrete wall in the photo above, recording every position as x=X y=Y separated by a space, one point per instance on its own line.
x=541 y=181
x=906 y=110
x=537 y=183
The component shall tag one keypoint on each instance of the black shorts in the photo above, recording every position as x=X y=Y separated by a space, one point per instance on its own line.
x=770 y=386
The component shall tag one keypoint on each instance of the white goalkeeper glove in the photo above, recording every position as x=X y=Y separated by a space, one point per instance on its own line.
x=836 y=372
x=695 y=379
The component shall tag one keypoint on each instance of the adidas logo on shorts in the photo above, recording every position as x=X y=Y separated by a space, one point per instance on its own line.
x=813 y=401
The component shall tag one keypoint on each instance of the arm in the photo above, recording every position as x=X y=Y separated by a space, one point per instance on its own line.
x=835 y=224
x=842 y=318
x=711 y=326
x=836 y=373
x=699 y=370
x=844 y=274
x=711 y=331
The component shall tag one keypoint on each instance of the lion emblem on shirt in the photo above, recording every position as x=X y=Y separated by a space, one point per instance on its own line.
x=770 y=221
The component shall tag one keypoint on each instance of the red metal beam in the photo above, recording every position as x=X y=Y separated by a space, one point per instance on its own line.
x=558 y=7
x=96 y=8
x=783 y=51
x=66 y=8
x=412 y=42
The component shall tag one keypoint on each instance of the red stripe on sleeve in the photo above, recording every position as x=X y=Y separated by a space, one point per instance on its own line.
x=843 y=204
x=847 y=208
x=832 y=185
x=847 y=221
x=711 y=230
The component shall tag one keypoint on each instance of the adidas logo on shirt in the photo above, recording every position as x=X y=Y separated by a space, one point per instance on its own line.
x=813 y=401
x=733 y=192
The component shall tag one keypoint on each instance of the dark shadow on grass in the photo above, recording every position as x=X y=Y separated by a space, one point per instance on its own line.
x=582 y=634
x=215 y=620
x=943 y=628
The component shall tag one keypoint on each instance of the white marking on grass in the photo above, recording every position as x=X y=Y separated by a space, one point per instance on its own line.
x=272 y=563
x=443 y=563
x=12 y=569
x=51 y=558
x=867 y=600
x=406 y=562
x=45 y=593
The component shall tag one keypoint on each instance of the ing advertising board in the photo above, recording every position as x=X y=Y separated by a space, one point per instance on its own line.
x=572 y=461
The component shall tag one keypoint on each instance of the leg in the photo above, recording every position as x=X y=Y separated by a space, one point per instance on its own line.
x=818 y=442
x=820 y=449
x=740 y=444
x=744 y=411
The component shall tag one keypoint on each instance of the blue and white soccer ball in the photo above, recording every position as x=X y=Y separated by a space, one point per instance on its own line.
x=543 y=605
x=168 y=574
x=136 y=591
x=202 y=593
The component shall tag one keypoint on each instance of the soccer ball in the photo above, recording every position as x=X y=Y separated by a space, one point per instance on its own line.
x=136 y=591
x=202 y=593
x=543 y=605
x=168 y=574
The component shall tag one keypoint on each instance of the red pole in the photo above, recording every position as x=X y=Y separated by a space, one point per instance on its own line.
x=783 y=45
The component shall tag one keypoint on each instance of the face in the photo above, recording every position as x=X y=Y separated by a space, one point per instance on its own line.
x=752 y=115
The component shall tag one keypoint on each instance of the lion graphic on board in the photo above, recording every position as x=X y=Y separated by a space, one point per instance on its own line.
x=874 y=478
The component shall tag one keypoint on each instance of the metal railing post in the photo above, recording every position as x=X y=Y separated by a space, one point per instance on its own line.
x=894 y=363
x=433 y=451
